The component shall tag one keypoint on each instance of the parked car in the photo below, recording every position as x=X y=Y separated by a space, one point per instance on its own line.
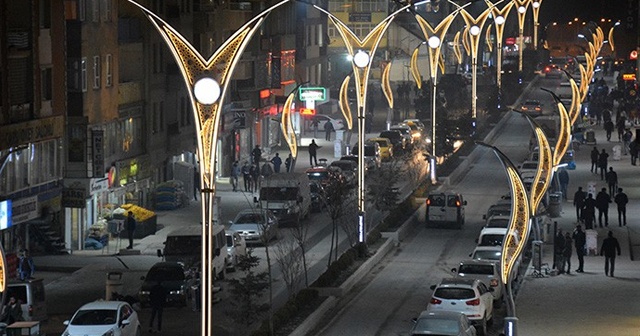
x=532 y=107
x=502 y=209
x=493 y=236
x=323 y=175
x=116 y=318
x=494 y=254
x=348 y=169
x=256 y=225
x=321 y=119
x=396 y=138
x=174 y=277
x=445 y=208
x=371 y=154
x=236 y=248
x=487 y=271
x=528 y=166
x=498 y=221
x=386 y=148
x=405 y=130
x=318 y=196
x=469 y=296
x=443 y=323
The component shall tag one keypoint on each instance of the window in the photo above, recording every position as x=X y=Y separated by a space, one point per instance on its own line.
x=82 y=10
x=108 y=70
x=83 y=74
x=96 y=72
x=95 y=10
x=45 y=14
x=107 y=9
x=154 y=118
x=45 y=79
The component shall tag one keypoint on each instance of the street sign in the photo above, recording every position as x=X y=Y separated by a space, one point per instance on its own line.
x=239 y=120
x=312 y=93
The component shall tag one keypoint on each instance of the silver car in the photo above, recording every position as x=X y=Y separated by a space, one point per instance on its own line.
x=256 y=225
x=446 y=323
x=486 y=271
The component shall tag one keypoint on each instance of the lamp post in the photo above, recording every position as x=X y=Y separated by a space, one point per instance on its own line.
x=535 y=5
x=500 y=17
x=521 y=8
x=207 y=81
x=362 y=52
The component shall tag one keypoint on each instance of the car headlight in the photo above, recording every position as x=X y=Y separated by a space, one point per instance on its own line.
x=176 y=292
x=144 y=292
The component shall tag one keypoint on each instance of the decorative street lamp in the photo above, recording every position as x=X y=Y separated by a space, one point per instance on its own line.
x=388 y=93
x=521 y=7
x=207 y=81
x=535 y=5
x=499 y=18
x=610 y=35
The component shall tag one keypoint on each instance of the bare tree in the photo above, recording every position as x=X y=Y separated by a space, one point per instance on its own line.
x=289 y=256
x=299 y=233
x=416 y=167
x=339 y=197
x=381 y=186
x=247 y=291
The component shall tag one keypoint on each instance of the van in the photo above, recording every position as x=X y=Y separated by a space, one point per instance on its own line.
x=30 y=293
x=493 y=236
x=287 y=195
x=185 y=245
x=446 y=208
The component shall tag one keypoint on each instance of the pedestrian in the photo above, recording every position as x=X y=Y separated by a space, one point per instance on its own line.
x=26 y=267
x=158 y=298
x=580 y=240
x=612 y=180
x=558 y=248
x=626 y=141
x=589 y=211
x=602 y=163
x=315 y=122
x=254 y=172
x=277 y=162
x=578 y=202
x=266 y=171
x=196 y=184
x=563 y=178
x=633 y=151
x=566 y=253
x=235 y=173
x=246 y=176
x=256 y=155
x=621 y=200
x=12 y=312
x=313 y=151
x=608 y=127
x=609 y=248
x=602 y=203
x=131 y=227
x=621 y=126
x=328 y=128
x=594 y=160
x=288 y=162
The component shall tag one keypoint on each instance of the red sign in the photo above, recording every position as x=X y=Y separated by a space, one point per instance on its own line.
x=264 y=94
x=629 y=77
x=307 y=111
x=633 y=55
x=510 y=41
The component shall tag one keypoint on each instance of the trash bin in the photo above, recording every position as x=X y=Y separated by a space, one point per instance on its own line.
x=114 y=284
x=555 y=205
x=590 y=137
x=536 y=251
x=592 y=242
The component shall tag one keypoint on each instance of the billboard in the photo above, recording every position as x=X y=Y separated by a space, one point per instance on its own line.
x=5 y=214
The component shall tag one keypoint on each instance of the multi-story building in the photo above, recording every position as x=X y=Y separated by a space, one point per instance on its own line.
x=32 y=112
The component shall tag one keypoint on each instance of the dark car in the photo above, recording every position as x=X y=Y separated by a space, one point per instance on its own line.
x=324 y=175
x=174 y=277
x=349 y=170
x=396 y=138
x=318 y=196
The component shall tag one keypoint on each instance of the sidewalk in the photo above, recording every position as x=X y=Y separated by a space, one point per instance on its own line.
x=599 y=305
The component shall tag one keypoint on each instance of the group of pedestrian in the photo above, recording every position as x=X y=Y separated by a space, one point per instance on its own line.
x=252 y=175
x=599 y=161
x=586 y=207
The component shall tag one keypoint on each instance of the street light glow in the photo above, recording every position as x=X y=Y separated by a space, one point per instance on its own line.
x=522 y=9
x=361 y=59
x=434 y=42
x=475 y=30
x=500 y=20
x=535 y=4
x=206 y=90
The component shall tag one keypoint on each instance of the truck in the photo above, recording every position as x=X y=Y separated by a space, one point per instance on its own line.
x=287 y=195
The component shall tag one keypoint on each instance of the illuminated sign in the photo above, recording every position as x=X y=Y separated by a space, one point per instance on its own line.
x=629 y=76
x=633 y=55
x=312 y=93
x=307 y=111
x=5 y=214
x=510 y=41
x=264 y=94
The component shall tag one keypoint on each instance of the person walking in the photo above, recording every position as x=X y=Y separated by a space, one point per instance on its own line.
x=246 y=176
x=621 y=200
x=131 y=227
x=196 y=184
x=256 y=155
x=158 y=298
x=288 y=162
x=328 y=128
x=580 y=240
x=609 y=248
x=603 y=163
x=277 y=162
x=589 y=211
x=626 y=141
x=265 y=172
x=313 y=152
x=633 y=152
x=235 y=173
x=602 y=203
x=612 y=180
x=578 y=202
x=608 y=127
x=594 y=160
x=563 y=178
x=26 y=267
x=254 y=172
x=558 y=248
x=566 y=254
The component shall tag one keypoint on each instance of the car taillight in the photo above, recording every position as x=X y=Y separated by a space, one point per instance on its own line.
x=428 y=201
x=474 y=302
x=458 y=203
x=494 y=282
x=435 y=301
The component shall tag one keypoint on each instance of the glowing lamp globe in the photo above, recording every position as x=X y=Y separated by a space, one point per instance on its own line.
x=361 y=59
x=522 y=9
x=475 y=30
x=500 y=20
x=434 y=42
x=206 y=91
x=535 y=4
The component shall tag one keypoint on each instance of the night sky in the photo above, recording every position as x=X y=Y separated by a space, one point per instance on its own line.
x=586 y=10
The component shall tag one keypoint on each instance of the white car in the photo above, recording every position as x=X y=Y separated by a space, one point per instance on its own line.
x=494 y=253
x=487 y=271
x=321 y=119
x=468 y=296
x=498 y=221
x=528 y=166
x=236 y=248
x=116 y=318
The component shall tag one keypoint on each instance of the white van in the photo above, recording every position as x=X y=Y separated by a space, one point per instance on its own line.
x=30 y=294
x=493 y=236
x=446 y=208
x=184 y=245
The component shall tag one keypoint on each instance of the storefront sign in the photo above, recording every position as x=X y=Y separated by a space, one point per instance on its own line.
x=312 y=93
x=24 y=209
x=31 y=131
x=99 y=185
x=97 y=137
x=5 y=214
x=73 y=198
